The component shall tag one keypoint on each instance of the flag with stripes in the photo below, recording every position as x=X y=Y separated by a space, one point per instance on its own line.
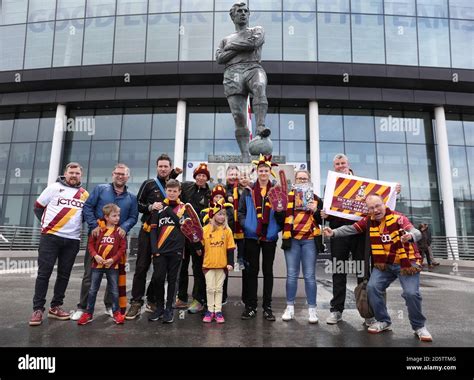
x=345 y=195
x=249 y=117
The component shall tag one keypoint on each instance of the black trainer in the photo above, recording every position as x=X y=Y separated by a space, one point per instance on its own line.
x=249 y=314
x=168 y=316
x=268 y=315
x=156 y=315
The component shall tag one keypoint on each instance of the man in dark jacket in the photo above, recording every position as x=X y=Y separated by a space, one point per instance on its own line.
x=150 y=197
x=117 y=193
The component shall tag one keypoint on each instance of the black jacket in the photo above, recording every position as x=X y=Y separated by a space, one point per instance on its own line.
x=199 y=198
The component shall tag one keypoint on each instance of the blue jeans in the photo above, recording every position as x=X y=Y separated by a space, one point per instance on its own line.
x=381 y=280
x=112 y=282
x=302 y=252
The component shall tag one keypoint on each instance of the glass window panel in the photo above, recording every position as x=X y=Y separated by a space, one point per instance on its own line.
x=137 y=124
x=157 y=148
x=392 y=164
x=334 y=37
x=459 y=173
x=78 y=151
x=362 y=159
x=41 y=168
x=464 y=218
x=46 y=127
x=422 y=170
x=299 y=36
x=164 y=123
x=6 y=127
x=68 y=43
x=294 y=151
x=20 y=168
x=427 y=212
x=4 y=153
x=299 y=6
x=470 y=164
x=197 y=5
x=358 y=125
x=39 y=45
x=130 y=37
x=196 y=37
x=82 y=128
x=401 y=41
x=418 y=127
x=201 y=125
x=367 y=39
x=15 y=210
x=223 y=26
x=455 y=132
x=390 y=126
x=468 y=122
x=104 y=155
x=272 y=24
x=131 y=7
x=330 y=124
x=136 y=154
x=462 y=42
x=98 y=40
x=400 y=7
x=198 y=150
x=160 y=6
x=461 y=9
x=31 y=220
x=227 y=147
x=69 y=9
x=292 y=126
x=26 y=127
x=12 y=47
x=225 y=126
x=108 y=124
x=433 y=42
x=333 y=5
x=41 y=10
x=272 y=121
x=367 y=6
x=328 y=149
x=265 y=5
x=162 y=37
x=13 y=12
x=100 y=8
x=432 y=8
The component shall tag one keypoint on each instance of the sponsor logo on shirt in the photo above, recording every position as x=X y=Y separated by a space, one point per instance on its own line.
x=107 y=240
x=70 y=202
x=165 y=221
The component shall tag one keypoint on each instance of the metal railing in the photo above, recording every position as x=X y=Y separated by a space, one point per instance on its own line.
x=446 y=247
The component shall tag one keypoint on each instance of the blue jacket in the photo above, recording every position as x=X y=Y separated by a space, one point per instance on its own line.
x=248 y=219
x=105 y=193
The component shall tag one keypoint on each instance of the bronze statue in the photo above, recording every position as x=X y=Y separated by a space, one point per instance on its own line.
x=241 y=53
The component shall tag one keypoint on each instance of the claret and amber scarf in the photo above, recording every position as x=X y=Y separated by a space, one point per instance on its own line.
x=262 y=206
x=295 y=223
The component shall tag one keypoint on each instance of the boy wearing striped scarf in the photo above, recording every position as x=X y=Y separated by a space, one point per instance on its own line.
x=394 y=256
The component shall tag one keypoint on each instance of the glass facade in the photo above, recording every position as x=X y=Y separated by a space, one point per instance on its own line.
x=78 y=32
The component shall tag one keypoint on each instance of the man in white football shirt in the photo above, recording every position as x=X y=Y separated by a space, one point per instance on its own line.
x=59 y=208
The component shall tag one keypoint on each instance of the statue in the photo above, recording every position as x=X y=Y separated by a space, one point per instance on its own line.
x=241 y=53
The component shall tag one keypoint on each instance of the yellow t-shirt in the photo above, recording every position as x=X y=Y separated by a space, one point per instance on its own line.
x=216 y=243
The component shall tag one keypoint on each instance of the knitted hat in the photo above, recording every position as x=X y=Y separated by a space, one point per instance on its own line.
x=215 y=208
x=265 y=160
x=202 y=169
x=218 y=189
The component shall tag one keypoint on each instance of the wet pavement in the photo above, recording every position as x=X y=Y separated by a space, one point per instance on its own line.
x=447 y=305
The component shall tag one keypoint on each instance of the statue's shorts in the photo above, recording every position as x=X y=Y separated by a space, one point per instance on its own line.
x=240 y=79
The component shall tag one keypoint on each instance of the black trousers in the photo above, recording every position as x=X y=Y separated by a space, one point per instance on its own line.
x=341 y=248
x=141 y=269
x=252 y=258
x=166 y=268
x=183 y=280
x=240 y=254
x=199 y=287
x=54 y=248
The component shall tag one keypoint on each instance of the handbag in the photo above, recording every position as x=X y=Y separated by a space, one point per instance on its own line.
x=360 y=292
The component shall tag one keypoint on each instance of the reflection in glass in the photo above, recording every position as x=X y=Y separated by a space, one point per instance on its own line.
x=362 y=159
x=299 y=36
x=333 y=5
x=160 y=6
x=83 y=125
x=390 y=126
x=461 y=9
x=455 y=132
x=130 y=39
x=100 y=8
x=11 y=52
x=299 y=6
x=6 y=127
x=198 y=150
x=20 y=169
x=468 y=123
x=108 y=124
x=427 y=212
x=223 y=26
x=433 y=42
x=330 y=124
x=334 y=37
x=26 y=127
x=265 y=5
x=271 y=22
x=470 y=165
x=13 y=12
x=41 y=10
x=400 y=38
x=131 y=7
x=15 y=210
x=419 y=127
x=69 y=9
x=422 y=171
x=98 y=41
x=462 y=50
x=227 y=147
x=225 y=127
x=201 y=125
x=367 y=6
x=400 y=7
x=135 y=154
x=164 y=123
x=162 y=37
x=196 y=37
x=292 y=126
x=328 y=149
x=46 y=126
x=137 y=124
x=198 y=5
x=104 y=155
x=294 y=151
x=358 y=125
x=68 y=43
x=4 y=153
x=41 y=168
x=39 y=45
x=459 y=173
x=432 y=8
x=367 y=39
x=392 y=165
x=464 y=218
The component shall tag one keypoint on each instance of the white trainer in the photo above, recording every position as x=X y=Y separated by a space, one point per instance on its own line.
x=108 y=311
x=336 y=316
x=77 y=315
x=312 y=315
x=423 y=334
x=289 y=313
x=378 y=327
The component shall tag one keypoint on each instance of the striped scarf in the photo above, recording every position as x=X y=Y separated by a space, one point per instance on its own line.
x=238 y=231
x=263 y=207
x=122 y=280
x=295 y=223
x=406 y=253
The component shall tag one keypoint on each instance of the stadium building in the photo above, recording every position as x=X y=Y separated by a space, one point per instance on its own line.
x=388 y=82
